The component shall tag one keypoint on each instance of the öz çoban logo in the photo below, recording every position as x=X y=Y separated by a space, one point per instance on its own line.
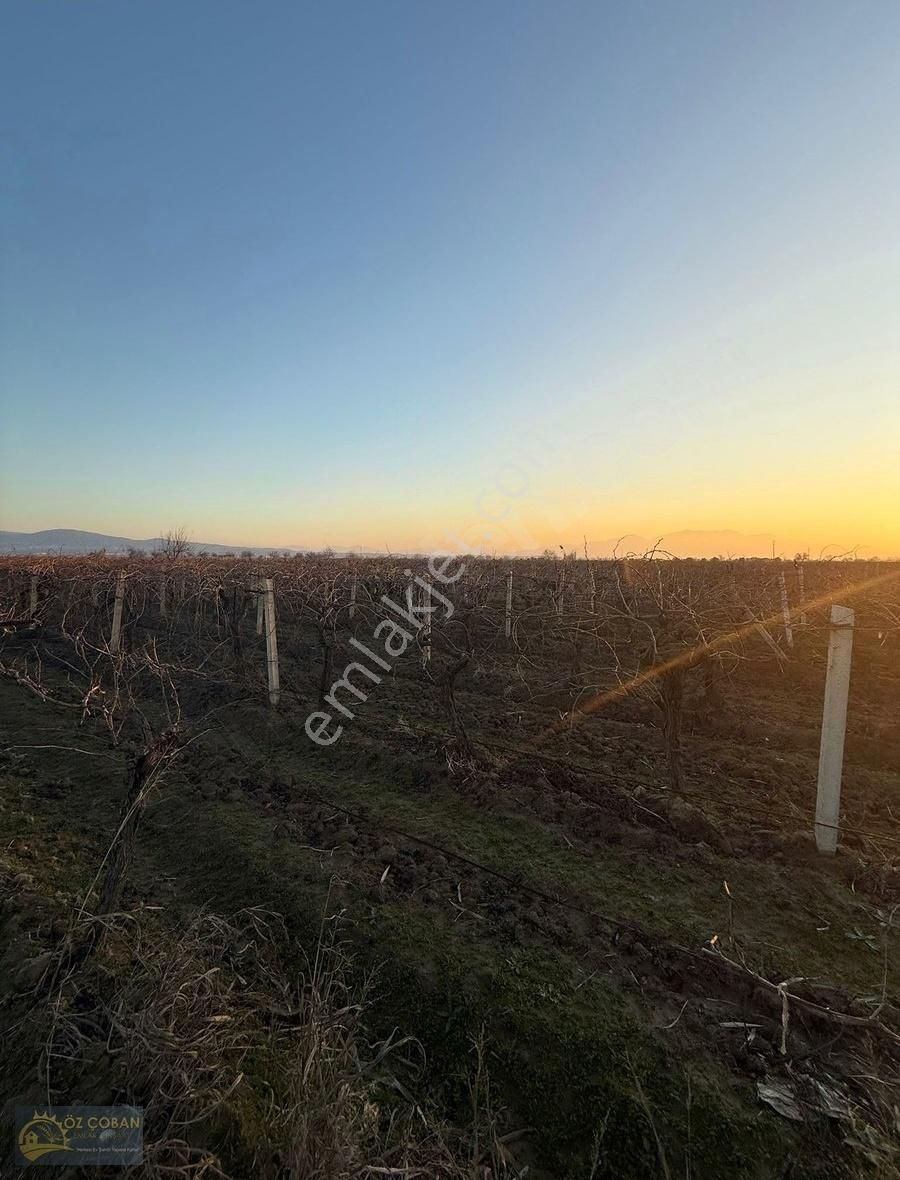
x=43 y=1133
x=81 y=1135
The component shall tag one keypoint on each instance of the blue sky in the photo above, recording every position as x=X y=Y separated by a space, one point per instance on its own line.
x=311 y=274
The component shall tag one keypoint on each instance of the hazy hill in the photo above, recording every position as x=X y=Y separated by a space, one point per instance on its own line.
x=78 y=541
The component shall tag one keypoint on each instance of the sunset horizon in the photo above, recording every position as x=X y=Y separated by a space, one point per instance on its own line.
x=290 y=303
x=509 y=539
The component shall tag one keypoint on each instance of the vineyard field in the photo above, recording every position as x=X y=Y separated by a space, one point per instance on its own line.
x=568 y=830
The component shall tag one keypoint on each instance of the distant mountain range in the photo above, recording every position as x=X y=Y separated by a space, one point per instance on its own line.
x=77 y=541
x=684 y=543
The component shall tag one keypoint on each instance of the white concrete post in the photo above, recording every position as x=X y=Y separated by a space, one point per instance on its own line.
x=115 y=639
x=507 y=626
x=786 y=612
x=802 y=589
x=268 y=597
x=33 y=595
x=426 y=644
x=834 y=728
x=352 y=610
x=260 y=603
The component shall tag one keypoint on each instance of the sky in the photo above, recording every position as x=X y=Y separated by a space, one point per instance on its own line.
x=397 y=273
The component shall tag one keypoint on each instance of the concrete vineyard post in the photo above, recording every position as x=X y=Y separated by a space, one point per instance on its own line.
x=260 y=603
x=426 y=645
x=352 y=611
x=163 y=610
x=268 y=598
x=834 y=728
x=115 y=639
x=507 y=626
x=786 y=612
x=802 y=590
x=33 y=596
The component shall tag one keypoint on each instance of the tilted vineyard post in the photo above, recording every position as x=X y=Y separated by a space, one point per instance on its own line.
x=268 y=598
x=115 y=639
x=507 y=626
x=834 y=728
x=760 y=629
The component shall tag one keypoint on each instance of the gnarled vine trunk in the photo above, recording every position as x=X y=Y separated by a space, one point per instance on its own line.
x=147 y=762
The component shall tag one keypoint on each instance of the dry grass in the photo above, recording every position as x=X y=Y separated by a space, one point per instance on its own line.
x=244 y=1070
